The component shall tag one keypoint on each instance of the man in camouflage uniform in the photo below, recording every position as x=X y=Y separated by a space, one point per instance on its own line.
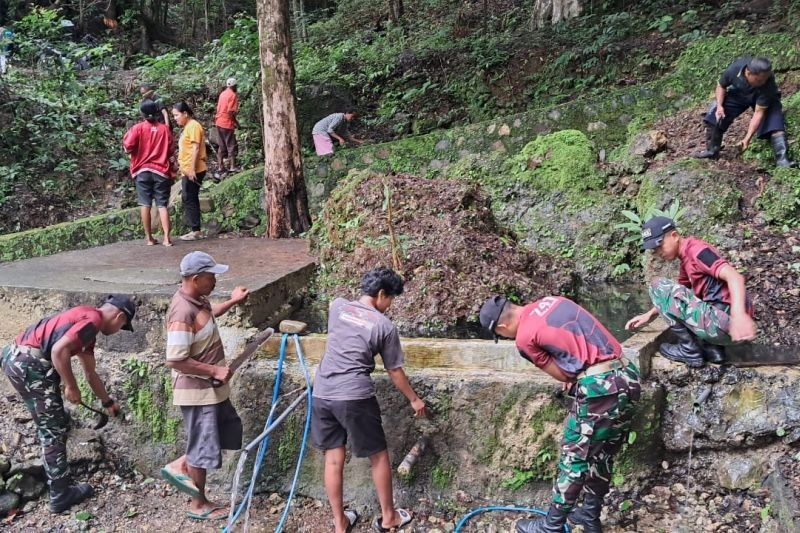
x=707 y=308
x=39 y=360
x=565 y=341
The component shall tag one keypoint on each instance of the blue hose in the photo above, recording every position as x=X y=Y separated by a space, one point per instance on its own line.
x=300 y=358
x=262 y=448
x=481 y=510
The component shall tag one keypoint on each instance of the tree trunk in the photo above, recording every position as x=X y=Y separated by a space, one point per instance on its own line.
x=555 y=10
x=287 y=200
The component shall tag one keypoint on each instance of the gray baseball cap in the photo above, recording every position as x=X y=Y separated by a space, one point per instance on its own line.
x=653 y=231
x=199 y=263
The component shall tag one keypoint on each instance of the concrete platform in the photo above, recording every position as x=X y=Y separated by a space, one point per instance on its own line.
x=275 y=271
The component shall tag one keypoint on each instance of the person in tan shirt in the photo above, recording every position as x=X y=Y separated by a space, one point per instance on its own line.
x=196 y=357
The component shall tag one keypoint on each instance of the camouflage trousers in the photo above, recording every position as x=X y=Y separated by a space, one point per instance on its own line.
x=596 y=429
x=678 y=304
x=38 y=383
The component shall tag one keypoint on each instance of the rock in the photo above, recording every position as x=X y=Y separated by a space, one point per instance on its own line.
x=383 y=154
x=33 y=468
x=249 y=222
x=596 y=126
x=504 y=131
x=648 y=144
x=8 y=501
x=206 y=204
x=554 y=115
x=321 y=170
x=490 y=129
x=26 y=486
x=337 y=164
x=5 y=465
x=628 y=99
x=30 y=506
x=463 y=497
x=498 y=146
x=442 y=145
x=739 y=473
x=367 y=159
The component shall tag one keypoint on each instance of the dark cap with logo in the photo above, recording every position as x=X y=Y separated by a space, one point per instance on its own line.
x=653 y=231
x=124 y=304
x=490 y=313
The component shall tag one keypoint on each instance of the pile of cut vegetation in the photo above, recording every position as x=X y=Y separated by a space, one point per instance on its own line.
x=440 y=235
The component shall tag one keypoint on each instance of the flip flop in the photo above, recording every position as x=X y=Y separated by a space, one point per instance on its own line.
x=405 y=518
x=352 y=518
x=181 y=482
x=207 y=515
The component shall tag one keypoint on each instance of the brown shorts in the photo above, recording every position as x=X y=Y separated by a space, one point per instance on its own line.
x=228 y=147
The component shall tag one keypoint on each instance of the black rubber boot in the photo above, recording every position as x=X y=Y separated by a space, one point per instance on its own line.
x=713 y=353
x=780 y=146
x=552 y=523
x=686 y=351
x=713 y=143
x=588 y=515
x=63 y=495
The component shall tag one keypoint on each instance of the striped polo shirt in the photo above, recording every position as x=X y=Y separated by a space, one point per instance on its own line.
x=192 y=332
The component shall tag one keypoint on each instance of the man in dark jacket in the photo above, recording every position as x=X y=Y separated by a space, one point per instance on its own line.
x=747 y=83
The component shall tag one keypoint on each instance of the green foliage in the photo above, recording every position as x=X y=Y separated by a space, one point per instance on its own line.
x=633 y=226
x=780 y=200
x=562 y=161
x=442 y=476
x=149 y=398
x=702 y=63
x=542 y=470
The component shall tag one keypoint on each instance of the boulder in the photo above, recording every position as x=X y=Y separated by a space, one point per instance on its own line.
x=33 y=468
x=8 y=502
x=25 y=486
x=740 y=473
x=648 y=144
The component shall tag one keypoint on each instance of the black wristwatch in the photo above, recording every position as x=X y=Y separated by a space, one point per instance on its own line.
x=109 y=403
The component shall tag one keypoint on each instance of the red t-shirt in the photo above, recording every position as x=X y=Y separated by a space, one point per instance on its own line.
x=700 y=267
x=227 y=103
x=79 y=324
x=556 y=328
x=150 y=146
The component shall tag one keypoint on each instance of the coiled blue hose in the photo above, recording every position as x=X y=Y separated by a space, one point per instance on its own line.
x=481 y=510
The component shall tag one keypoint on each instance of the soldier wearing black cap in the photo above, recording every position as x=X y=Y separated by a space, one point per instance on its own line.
x=39 y=360
x=748 y=83
x=706 y=308
x=568 y=343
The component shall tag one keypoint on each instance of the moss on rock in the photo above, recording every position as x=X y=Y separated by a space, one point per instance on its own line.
x=561 y=161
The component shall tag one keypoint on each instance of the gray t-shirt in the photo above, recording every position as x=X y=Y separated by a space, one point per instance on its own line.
x=356 y=334
x=329 y=124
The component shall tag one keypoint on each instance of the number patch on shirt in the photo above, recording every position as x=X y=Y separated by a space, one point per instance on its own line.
x=544 y=305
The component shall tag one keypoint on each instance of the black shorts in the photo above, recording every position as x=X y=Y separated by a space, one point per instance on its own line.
x=150 y=186
x=333 y=420
x=209 y=430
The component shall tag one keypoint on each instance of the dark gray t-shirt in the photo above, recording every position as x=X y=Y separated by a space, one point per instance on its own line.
x=356 y=334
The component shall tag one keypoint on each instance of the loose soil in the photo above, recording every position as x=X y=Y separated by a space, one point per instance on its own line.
x=447 y=247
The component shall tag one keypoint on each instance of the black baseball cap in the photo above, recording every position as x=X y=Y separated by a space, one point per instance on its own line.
x=124 y=304
x=653 y=231
x=490 y=313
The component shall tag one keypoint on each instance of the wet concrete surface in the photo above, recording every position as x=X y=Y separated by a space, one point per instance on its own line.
x=132 y=267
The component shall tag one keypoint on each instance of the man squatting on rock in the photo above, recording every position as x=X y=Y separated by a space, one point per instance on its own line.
x=38 y=361
x=344 y=403
x=707 y=308
x=196 y=356
x=565 y=341
x=747 y=83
